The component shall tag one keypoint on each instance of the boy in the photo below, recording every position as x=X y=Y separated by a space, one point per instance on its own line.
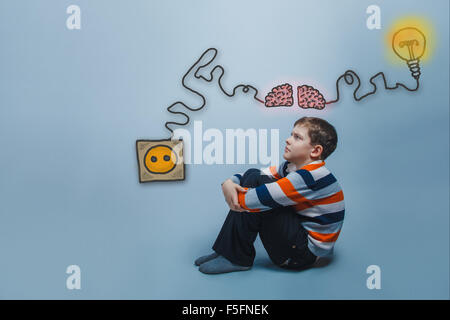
x=297 y=209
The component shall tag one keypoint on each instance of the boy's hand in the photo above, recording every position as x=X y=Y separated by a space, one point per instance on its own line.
x=230 y=192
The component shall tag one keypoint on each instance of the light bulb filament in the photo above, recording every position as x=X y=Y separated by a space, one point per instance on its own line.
x=410 y=44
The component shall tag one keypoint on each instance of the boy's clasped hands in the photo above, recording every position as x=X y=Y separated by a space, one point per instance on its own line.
x=230 y=191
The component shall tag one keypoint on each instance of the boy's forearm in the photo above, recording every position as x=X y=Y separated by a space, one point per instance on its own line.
x=281 y=193
x=250 y=202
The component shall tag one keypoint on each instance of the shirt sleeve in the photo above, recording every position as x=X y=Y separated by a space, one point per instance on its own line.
x=236 y=178
x=284 y=192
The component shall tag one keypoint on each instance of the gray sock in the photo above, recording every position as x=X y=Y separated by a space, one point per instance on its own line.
x=220 y=265
x=206 y=258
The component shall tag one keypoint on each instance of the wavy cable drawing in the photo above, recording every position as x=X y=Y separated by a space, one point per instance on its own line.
x=308 y=97
x=200 y=66
x=349 y=77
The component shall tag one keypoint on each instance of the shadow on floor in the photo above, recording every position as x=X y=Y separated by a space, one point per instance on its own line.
x=266 y=263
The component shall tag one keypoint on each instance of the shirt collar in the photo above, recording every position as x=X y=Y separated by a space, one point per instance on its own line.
x=289 y=167
x=313 y=165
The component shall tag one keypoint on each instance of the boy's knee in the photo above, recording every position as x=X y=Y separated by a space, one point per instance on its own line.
x=252 y=172
x=253 y=178
x=250 y=178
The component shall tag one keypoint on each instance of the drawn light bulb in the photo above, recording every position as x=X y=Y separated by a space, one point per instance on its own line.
x=409 y=44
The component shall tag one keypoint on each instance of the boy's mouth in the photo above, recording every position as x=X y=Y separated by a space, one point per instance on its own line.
x=286 y=149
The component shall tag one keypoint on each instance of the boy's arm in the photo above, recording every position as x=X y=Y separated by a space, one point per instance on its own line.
x=232 y=191
x=287 y=191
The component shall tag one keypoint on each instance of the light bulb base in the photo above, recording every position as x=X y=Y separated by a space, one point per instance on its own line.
x=414 y=67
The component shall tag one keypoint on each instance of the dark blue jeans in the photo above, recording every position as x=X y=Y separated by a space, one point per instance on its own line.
x=280 y=230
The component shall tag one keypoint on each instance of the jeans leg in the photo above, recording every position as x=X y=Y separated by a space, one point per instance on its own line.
x=240 y=229
x=285 y=239
x=235 y=240
x=278 y=233
x=280 y=229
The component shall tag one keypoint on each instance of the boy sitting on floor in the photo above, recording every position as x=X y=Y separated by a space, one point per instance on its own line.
x=297 y=208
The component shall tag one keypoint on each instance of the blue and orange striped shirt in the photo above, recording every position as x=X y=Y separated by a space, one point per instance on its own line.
x=312 y=191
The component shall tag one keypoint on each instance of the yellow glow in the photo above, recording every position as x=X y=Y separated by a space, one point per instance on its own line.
x=416 y=22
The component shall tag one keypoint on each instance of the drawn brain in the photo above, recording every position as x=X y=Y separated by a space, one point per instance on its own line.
x=308 y=97
x=280 y=96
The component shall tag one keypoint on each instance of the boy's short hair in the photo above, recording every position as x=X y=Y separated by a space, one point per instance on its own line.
x=320 y=132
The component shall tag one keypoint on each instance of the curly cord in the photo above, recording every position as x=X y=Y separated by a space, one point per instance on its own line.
x=349 y=77
x=245 y=88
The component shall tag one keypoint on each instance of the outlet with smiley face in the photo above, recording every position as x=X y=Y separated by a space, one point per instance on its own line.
x=160 y=160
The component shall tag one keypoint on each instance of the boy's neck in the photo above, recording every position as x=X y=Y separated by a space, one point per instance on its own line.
x=304 y=163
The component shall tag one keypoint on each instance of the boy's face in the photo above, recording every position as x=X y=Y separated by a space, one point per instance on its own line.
x=298 y=146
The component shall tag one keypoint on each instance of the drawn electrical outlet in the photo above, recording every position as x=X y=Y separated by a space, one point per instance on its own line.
x=160 y=160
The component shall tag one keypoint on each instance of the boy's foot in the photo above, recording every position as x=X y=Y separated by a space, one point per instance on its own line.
x=221 y=265
x=206 y=258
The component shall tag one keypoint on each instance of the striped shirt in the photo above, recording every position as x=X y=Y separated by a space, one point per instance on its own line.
x=312 y=191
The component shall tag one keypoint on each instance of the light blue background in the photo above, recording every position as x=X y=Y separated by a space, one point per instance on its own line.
x=73 y=103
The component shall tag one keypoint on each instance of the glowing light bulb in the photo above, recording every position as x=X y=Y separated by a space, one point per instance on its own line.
x=409 y=44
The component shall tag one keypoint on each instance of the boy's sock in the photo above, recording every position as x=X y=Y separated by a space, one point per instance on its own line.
x=220 y=265
x=206 y=258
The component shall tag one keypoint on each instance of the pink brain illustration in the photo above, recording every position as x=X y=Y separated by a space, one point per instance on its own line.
x=280 y=96
x=308 y=97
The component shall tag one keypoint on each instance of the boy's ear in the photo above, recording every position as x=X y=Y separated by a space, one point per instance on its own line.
x=317 y=151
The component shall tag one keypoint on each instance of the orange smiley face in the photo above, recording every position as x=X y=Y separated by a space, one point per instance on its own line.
x=160 y=159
